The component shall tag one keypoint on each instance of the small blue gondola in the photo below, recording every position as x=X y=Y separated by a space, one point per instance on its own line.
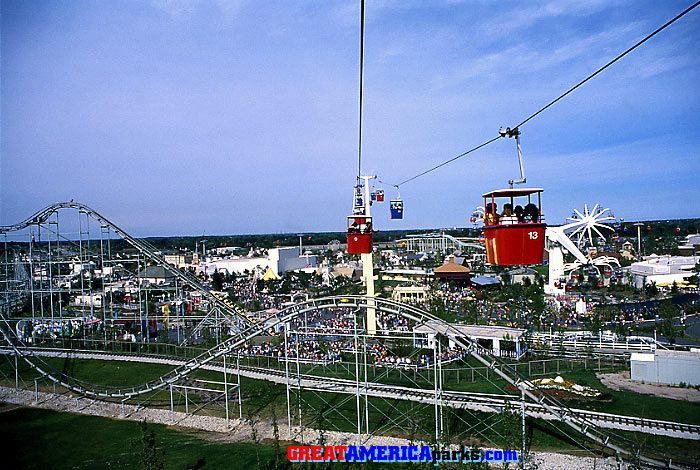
x=396 y=209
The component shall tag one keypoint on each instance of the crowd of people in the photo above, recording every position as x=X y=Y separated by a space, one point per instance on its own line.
x=61 y=328
x=325 y=335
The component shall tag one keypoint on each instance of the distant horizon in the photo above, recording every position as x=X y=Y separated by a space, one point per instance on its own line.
x=341 y=231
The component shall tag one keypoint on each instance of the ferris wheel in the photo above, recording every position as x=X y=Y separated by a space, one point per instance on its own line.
x=582 y=225
x=574 y=237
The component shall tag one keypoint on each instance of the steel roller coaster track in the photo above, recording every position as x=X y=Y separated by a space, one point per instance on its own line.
x=42 y=217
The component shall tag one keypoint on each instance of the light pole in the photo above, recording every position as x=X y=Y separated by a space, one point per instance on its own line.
x=639 y=239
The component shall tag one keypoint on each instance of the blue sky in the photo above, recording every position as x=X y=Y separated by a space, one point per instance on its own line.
x=182 y=116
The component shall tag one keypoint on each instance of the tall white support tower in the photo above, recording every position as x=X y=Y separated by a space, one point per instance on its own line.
x=368 y=267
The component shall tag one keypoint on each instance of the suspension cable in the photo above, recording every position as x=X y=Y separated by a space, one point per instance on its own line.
x=589 y=77
x=687 y=10
x=362 y=61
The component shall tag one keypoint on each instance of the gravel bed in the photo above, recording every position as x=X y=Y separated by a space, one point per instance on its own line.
x=241 y=431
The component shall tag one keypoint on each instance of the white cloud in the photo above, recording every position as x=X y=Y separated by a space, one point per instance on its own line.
x=180 y=9
x=516 y=18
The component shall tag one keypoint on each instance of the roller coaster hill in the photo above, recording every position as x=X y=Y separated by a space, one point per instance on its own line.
x=358 y=364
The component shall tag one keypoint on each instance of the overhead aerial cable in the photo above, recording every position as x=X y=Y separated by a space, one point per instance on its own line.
x=359 y=226
x=362 y=63
x=539 y=111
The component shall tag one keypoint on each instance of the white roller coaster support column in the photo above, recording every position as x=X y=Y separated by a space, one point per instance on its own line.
x=238 y=369
x=286 y=380
x=357 y=383
x=435 y=380
x=522 y=415
x=226 y=392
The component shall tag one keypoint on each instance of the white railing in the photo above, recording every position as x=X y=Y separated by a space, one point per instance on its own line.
x=554 y=341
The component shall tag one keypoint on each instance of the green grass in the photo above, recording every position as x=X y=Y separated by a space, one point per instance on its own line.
x=256 y=392
x=324 y=410
x=45 y=439
x=42 y=439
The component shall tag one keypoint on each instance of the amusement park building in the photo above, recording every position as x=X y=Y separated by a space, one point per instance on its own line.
x=178 y=259
x=662 y=269
x=518 y=276
x=452 y=271
x=411 y=294
x=666 y=367
x=692 y=245
x=489 y=338
x=155 y=275
x=406 y=275
x=279 y=260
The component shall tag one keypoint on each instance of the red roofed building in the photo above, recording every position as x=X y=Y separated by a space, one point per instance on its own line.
x=452 y=271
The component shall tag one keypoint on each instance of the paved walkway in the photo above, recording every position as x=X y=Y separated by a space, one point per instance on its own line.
x=621 y=381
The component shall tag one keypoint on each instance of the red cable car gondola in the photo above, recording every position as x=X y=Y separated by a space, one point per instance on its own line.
x=359 y=234
x=514 y=239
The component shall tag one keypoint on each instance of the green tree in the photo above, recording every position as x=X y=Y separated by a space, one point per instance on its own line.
x=253 y=423
x=511 y=423
x=437 y=307
x=163 y=336
x=150 y=456
x=217 y=281
x=651 y=290
x=596 y=324
x=667 y=312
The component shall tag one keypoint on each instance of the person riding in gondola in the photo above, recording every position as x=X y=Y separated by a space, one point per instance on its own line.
x=531 y=214
x=491 y=215
x=518 y=211
x=507 y=217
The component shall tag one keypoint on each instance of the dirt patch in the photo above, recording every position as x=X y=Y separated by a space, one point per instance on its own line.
x=8 y=407
x=621 y=381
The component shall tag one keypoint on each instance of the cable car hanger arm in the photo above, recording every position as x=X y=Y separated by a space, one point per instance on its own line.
x=508 y=132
